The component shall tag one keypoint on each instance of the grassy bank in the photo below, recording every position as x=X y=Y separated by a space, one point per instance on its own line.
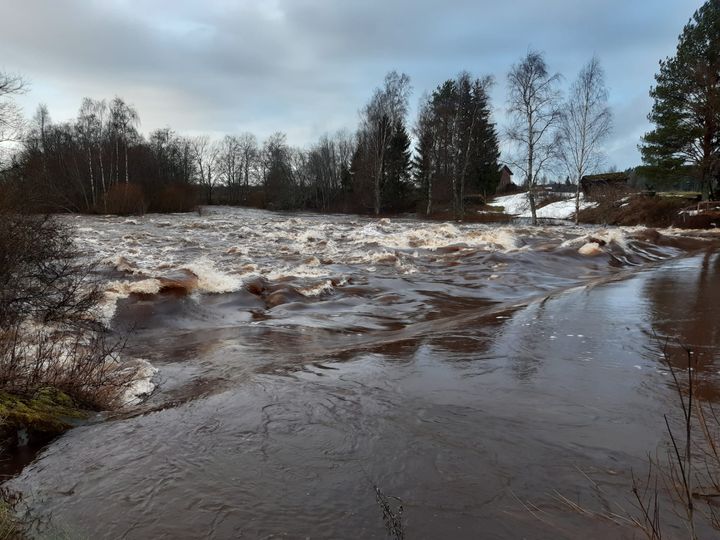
x=36 y=419
x=650 y=211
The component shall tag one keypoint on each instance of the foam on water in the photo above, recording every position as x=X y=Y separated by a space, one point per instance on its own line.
x=590 y=249
x=125 y=288
x=225 y=247
x=141 y=384
x=210 y=279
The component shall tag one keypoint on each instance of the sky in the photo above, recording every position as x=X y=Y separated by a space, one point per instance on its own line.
x=306 y=67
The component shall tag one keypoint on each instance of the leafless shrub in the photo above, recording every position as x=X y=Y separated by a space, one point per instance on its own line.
x=40 y=277
x=49 y=329
x=125 y=199
x=683 y=480
x=690 y=469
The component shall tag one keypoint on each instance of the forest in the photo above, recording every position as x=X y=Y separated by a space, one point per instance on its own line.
x=100 y=162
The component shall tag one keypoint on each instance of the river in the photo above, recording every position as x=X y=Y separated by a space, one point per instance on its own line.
x=474 y=372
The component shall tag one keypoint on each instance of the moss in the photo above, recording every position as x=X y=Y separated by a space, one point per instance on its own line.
x=48 y=412
x=10 y=527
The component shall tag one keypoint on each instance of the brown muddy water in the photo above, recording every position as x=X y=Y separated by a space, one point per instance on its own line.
x=469 y=370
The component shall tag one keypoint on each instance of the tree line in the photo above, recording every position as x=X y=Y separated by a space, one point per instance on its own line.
x=101 y=162
x=445 y=159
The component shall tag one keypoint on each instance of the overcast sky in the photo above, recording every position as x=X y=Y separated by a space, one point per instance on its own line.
x=306 y=67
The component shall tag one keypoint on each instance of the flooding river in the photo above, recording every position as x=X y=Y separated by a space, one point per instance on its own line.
x=472 y=371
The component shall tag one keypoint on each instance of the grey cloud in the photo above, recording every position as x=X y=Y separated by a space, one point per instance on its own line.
x=307 y=66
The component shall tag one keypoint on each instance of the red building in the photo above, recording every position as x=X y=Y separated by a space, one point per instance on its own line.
x=506 y=184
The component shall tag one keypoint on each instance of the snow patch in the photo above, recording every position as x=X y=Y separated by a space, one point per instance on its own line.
x=519 y=205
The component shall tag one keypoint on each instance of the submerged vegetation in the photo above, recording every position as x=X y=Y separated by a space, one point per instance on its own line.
x=11 y=526
x=688 y=469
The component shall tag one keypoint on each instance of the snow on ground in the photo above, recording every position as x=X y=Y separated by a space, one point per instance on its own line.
x=518 y=205
x=561 y=209
x=514 y=205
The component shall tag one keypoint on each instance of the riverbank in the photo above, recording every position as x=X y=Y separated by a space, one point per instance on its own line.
x=36 y=420
x=616 y=208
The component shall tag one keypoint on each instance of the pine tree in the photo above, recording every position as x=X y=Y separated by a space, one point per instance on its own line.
x=686 y=111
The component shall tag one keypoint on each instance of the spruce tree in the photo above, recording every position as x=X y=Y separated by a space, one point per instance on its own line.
x=485 y=173
x=686 y=112
x=458 y=147
x=396 y=185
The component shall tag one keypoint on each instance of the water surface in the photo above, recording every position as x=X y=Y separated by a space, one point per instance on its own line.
x=469 y=370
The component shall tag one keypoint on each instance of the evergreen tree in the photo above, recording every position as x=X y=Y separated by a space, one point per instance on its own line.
x=686 y=111
x=458 y=148
x=396 y=186
x=485 y=171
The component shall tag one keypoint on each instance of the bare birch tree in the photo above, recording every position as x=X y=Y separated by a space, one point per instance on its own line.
x=425 y=151
x=533 y=105
x=89 y=127
x=249 y=155
x=124 y=120
x=586 y=122
x=11 y=119
x=205 y=155
x=386 y=108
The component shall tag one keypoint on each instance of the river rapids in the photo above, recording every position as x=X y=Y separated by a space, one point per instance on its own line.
x=299 y=361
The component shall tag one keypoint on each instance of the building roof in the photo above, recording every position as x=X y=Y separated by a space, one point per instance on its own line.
x=606 y=178
x=594 y=181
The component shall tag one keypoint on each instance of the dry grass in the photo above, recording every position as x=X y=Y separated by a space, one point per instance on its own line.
x=12 y=526
x=545 y=199
x=619 y=207
x=682 y=482
x=689 y=470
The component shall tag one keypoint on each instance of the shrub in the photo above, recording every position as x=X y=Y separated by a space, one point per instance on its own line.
x=49 y=331
x=176 y=198
x=124 y=199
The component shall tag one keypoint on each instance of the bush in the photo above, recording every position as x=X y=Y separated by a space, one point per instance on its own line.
x=49 y=331
x=124 y=199
x=176 y=198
